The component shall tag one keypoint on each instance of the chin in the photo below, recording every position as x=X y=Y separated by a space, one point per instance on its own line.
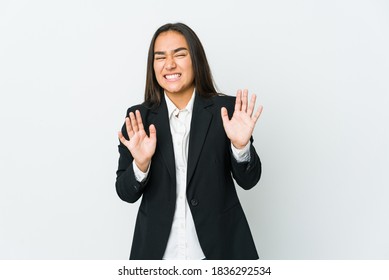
x=172 y=90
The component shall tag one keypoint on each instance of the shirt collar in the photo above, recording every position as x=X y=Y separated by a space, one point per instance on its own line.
x=171 y=108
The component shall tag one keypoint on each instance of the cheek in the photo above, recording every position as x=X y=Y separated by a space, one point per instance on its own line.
x=157 y=72
x=159 y=79
x=191 y=74
x=189 y=68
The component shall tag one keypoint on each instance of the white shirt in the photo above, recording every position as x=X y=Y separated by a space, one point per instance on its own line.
x=183 y=242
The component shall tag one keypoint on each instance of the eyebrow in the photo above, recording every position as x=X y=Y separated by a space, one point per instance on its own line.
x=174 y=51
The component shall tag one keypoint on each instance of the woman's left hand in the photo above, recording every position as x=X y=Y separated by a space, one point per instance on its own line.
x=241 y=126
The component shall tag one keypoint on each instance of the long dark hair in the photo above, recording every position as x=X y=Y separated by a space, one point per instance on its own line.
x=203 y=79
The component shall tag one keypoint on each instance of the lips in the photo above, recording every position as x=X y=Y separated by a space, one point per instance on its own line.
x=172 y=77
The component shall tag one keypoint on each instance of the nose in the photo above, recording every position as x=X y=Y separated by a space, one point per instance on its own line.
x=170 y=63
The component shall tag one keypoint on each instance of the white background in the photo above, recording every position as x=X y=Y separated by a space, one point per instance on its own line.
x=70 y=69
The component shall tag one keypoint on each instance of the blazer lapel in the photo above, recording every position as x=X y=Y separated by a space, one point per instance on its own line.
x=201 y=119
x=159 y=117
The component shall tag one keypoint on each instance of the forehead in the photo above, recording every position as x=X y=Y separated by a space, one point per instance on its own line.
x=169 y=41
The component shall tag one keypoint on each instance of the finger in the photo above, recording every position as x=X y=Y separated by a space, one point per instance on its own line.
x=129 y=129
x=153 y=132
x=257 y=113
x=122 y=138
x=250 y=110
x=139 y=120
x=244 y=100
x=238 y=100
x=133 y=122
x=224 y=115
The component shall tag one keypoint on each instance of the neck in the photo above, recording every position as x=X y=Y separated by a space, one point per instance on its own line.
x=180 y=99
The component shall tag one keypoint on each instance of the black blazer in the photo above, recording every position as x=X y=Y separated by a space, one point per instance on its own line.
x=219 y=219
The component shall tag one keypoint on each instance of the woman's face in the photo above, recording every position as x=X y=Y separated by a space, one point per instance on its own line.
x=173 y=64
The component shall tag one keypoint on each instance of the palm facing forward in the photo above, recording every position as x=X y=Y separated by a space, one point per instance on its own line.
x=141 y=146
x=241 y=126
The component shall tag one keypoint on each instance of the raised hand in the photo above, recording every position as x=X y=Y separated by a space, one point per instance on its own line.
x=141 y=146
x=241 y=126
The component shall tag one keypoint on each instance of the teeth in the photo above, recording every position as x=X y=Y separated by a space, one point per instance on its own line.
x=172 y=76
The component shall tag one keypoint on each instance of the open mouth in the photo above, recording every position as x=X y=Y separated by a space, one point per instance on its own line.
x=172 y=77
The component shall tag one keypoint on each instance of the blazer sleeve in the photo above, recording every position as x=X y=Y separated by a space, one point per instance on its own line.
x=247 y=174
x=127 y=187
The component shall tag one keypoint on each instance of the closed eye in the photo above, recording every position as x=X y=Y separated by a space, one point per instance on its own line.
x=181 y=54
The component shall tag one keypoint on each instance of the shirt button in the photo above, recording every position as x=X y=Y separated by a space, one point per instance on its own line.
x=194 y=202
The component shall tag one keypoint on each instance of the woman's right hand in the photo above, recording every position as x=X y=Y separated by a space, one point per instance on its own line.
x=141 y=146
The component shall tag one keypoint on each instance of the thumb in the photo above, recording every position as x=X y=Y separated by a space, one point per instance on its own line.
x=153 y=132
x=121 y=137
x=224 y=114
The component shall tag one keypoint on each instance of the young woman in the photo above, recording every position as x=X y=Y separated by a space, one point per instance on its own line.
x=180 y=150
